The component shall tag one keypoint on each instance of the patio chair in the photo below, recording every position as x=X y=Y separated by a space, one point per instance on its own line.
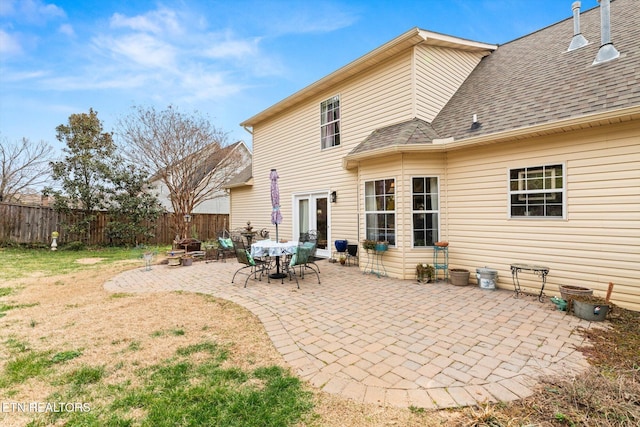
x=310 y=240
x=251 y=266
x=225 y=245
x=352 y=254
x=300 y=259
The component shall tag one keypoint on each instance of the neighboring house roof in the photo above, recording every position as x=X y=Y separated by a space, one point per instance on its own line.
x=411 y=38
x=244 y=177
x=533 y=85
x=208 y=159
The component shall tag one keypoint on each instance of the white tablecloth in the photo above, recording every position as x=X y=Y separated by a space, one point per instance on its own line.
x=272 y=248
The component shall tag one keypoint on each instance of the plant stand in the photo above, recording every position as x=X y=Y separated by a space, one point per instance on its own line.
x=441 y=261
x=375 y=263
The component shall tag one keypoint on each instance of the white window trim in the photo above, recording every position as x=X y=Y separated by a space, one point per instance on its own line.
x=438 y=211
x=563 y=192
x=394 y=211
x=339 y=121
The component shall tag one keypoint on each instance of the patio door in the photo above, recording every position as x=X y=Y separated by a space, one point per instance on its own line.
x=311 y=213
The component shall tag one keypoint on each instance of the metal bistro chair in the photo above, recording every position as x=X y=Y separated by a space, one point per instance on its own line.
x=310 y=240
x=300 y=259
x=225 y=245
x=254 y=266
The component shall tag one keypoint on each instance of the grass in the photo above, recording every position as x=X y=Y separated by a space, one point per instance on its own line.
x=19 y=262
x=183 y=391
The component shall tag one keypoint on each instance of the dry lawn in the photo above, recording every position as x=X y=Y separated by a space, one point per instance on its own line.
x=125 y=332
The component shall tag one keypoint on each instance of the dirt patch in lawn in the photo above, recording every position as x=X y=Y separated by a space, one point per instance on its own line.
x=89 y=260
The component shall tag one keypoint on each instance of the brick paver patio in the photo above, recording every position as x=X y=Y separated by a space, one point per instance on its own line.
x=392 y=342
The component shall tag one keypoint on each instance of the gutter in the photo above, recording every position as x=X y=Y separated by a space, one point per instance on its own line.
x=449 y=144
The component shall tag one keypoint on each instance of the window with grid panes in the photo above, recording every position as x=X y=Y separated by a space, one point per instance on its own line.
x=380 y=210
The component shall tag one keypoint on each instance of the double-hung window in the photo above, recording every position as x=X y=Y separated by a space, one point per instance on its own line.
x=425 y=211
x=330 y=122
x=537 y=192
x=380 y=210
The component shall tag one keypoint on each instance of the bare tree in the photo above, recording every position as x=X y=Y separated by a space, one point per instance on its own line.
x=24 y=165
x=185 y=152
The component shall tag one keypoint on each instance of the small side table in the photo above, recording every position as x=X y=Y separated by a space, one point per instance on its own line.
x=536 y=269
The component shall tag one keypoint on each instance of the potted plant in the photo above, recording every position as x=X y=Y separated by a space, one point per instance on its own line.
x=368 y=244
x=425 y=272
x=382 y=246
x=187 y=260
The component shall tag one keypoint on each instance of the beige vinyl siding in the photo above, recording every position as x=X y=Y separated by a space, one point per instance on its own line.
x=290 y=143
x=439 y=74
x=597 y=243
x=400 y=261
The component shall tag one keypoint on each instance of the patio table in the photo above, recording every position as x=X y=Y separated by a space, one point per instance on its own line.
x=275 y=249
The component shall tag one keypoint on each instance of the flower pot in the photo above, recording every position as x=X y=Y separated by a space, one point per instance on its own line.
x=568 y=292
x=590 y=311
x=173 y=261
x=459 y=276
x=187 y=262
x=341 y=245
x=381 y=247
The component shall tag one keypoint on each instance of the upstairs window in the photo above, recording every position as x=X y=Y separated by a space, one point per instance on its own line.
x=537 y=192
x=330 y=122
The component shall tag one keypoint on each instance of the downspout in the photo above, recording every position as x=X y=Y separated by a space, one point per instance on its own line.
x=446 y=191
x=358 y=206
x=398 y=191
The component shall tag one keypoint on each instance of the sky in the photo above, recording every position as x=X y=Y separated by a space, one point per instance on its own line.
x=222 y=60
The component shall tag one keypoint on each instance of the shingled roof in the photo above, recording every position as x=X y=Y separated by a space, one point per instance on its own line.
x=534 y=79
x=414 y=131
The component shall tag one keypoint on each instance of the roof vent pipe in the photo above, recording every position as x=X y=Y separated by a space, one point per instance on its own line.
x=578 y=39
x=607 y=52
x=475 y=125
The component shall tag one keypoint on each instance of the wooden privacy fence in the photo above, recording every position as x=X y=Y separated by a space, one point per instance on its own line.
x=34 y=224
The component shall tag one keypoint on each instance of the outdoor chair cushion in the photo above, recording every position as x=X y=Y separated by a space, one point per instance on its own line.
x=226 y=243
x=250 y=258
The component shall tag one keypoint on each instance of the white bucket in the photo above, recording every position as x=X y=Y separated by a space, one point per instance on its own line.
x=486 y=278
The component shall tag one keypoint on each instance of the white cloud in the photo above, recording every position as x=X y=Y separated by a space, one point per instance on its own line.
x=140 y=49
x=31 y=11
x=157 y=22
x=230 y=48
x=306 y=17
x=9 y=44
x=22 y=76
x=67 y=29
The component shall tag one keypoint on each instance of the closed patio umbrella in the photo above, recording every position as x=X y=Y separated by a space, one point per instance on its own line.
x=276 y=217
